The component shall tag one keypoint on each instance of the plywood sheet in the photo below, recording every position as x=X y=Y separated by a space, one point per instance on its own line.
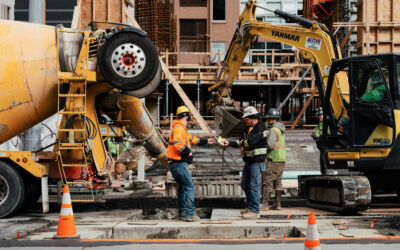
x=100 y=10
x=383 y=17
x=86 y=13
x=114 y=11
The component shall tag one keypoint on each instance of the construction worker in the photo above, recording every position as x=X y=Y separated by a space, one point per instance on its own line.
x=179 y=157
x=318 y=131
x=378 y=91
x=376 y=94
x=275 y=162
x=253 y=150
x=114 y=146
x=316 y=135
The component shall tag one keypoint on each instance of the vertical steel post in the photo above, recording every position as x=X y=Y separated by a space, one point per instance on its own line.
x=166 y=97
x=36 y=11
x=32 y=138
x=198 y=82
x=158 y=109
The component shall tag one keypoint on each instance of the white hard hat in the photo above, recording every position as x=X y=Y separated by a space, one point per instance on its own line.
x=248 y=111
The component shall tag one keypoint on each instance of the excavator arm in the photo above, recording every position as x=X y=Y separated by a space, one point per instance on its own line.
x=315 y=41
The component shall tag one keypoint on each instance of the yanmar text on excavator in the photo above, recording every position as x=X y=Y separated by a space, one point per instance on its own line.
x=80 y=75
x=361 y=104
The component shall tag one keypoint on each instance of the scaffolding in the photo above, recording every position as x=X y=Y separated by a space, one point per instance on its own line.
x=156 y=18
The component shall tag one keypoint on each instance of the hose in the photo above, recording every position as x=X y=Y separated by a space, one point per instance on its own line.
x=90 y=126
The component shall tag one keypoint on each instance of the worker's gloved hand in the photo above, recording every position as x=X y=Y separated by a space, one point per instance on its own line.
x=222 y=141
x=211 y=140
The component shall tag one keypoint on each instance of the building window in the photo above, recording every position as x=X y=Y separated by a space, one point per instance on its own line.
x=218 y=47
x=193 y=3
x=193 y=35
x=267 y=47
x=218 y=10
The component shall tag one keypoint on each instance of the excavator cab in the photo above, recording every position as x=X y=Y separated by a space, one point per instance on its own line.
x=361 y=137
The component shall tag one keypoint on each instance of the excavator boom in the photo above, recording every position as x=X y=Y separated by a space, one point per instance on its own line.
x=313 y=39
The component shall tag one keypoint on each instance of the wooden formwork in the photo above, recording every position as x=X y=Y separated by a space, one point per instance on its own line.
x=102 y=11
x=380 y=32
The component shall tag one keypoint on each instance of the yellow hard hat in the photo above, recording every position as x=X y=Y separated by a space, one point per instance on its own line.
x=181 y=110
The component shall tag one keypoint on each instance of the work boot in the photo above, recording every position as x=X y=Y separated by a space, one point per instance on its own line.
x=265 y=201
x=251 y=215
x=191 y=219
x=277 y=205
x=246 y=210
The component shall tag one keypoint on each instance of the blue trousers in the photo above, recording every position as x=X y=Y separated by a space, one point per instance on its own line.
x=251 y=178
x=181 y=173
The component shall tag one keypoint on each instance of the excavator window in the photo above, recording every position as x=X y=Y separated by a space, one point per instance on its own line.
x=371 y=114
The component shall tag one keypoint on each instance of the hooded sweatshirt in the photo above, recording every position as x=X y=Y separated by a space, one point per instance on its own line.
x=273 y=137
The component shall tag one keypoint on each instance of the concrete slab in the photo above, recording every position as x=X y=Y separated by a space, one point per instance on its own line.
x=86 y=230
x=196 y=230
x=234 y=214
x=90 y=225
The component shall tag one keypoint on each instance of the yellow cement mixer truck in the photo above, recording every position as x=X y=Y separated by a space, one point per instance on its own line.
x=79 y=75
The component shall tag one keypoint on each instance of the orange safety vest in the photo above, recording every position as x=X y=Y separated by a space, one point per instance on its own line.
x=179 y=139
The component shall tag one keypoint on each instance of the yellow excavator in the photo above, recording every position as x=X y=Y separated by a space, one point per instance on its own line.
x=361 y=105
x=92 y=80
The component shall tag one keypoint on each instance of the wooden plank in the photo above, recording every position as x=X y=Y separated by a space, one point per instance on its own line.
x=346 y=38
x=114 y=11
x=303 y=109
x=130 y=18
x=75 y=17
x=185 y=99
x=100 y=10
x=86 y=13
x=125 y=13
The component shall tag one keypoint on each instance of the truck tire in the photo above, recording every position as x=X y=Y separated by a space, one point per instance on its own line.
x=128 y=61
x=12 y=190
x=149 y=88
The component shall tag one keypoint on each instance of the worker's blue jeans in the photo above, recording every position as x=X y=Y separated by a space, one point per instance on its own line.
x=181 y=173
x=251 y=179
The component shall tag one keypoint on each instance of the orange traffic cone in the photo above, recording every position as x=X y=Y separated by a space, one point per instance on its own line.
x=66 y=223
x=312 y=238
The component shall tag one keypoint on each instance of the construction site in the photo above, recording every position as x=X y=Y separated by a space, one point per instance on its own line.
x=194 y=124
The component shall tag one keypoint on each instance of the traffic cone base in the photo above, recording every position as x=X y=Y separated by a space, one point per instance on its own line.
x=312 y=238
x=66 y=223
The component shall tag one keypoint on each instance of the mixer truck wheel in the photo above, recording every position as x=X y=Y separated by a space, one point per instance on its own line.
x=128 y=61
x=149 y=88
x=11 y=190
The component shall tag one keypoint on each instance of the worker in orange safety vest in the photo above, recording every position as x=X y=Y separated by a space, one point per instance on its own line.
x=179 y=157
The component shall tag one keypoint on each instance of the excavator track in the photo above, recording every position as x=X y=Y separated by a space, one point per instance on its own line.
x=344 y=194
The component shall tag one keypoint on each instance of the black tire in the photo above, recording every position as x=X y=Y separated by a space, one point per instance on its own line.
x=149 y=88
x=132 y=80
x=12 y=190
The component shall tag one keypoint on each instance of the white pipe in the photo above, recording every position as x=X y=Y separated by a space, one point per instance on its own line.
x=140 y=172
x=45 y=194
